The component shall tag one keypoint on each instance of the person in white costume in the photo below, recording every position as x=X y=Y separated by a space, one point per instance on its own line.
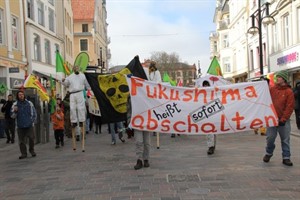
x=154 y=74
x=76 y=84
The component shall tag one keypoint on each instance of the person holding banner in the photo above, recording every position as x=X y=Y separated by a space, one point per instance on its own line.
x=283 y=101
x=76 y=83
x=142 y=142
x=154 y=75
x=211 y=138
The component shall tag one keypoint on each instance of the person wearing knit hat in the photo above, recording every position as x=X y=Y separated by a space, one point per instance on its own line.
x=283 y=74
x=283 y=102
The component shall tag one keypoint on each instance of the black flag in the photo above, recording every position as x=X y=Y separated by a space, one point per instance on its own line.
x=111 y=90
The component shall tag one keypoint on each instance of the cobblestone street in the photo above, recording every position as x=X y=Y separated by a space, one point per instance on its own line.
x=179 y=170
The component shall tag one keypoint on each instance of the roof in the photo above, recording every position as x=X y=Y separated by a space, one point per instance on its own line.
x=83 y=9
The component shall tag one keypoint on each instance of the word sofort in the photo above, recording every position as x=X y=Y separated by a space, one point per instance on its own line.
x=224 y=124
x=207 y=110
x=170 y=110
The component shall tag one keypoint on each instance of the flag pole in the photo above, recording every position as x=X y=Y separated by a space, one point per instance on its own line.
x=157 y=140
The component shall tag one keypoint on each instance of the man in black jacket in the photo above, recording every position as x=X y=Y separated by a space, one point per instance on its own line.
x=297 y=103
x=9 y=122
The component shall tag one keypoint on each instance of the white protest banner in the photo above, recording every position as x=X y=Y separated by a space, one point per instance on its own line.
x=210 y=110
x=93 y=106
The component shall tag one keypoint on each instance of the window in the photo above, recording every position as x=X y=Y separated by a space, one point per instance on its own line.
x=285 y=29
x=30 y=9
x=227 y=66
x=251 y=60
x=41 y=13
x=51 y=19
x=47 y=52
x=215 y=46
x=1 y=27
x=264 y=54
x=298 y=23
x=84 y=45
x=37 y=47
x=85 y=28
x=275 y=38
x=257 y=56
x=225 y=41
x=262 y=2
x=56 y=47
x=51 y=2
x=15 y=35
x=173 y=74
x=253 y=3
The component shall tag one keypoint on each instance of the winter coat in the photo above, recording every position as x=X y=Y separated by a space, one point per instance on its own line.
x=26 y=114
x=297 y=95
x=6 y=109
x=58 y=120
x=283 y=100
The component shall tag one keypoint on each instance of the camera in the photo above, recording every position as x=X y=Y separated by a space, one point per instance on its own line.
x=3 y=101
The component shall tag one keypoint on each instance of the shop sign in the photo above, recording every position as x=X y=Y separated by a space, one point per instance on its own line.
x=3 y=88
x=14 y=70
x=16 y=83
x=290 y=58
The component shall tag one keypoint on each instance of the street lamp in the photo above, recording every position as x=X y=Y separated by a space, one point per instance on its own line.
x=100 y=62
x=262 y=16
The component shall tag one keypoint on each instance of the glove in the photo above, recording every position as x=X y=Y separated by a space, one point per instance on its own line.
x=280 y=123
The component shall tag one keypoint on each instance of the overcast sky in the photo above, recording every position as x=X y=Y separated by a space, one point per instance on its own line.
x=140 y=27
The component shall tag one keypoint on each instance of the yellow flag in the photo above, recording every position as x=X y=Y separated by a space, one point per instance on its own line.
x=33 y=82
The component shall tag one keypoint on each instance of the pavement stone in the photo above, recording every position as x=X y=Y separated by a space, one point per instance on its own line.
x=179 y=170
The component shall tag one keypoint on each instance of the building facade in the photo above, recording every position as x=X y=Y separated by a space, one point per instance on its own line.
x=90 y=31
x=42 y=38
x=239 y=52
x=13 y=59
x=284 y=38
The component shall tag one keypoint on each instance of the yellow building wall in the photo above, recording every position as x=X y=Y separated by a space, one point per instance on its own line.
x=3 y=52
x=17 y=55
x=15 y=7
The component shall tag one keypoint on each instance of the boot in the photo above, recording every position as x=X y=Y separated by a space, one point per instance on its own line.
x=287 y=162
x=139 y=164
x=121 y=136
x=211 y=150
x=146 y=163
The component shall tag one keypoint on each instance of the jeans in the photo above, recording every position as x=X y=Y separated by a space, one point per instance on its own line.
x=142 y=142
x=284 y=133
x=24 y=134
x=119 y=126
